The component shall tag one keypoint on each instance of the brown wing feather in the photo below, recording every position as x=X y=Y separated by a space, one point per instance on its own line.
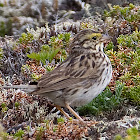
x=57 y=86
x=67 y=74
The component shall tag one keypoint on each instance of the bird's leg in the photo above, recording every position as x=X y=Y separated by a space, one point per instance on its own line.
x=74 y=113
x=63 y=112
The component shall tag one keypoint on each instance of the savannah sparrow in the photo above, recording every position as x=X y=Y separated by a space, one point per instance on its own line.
x=81 y=77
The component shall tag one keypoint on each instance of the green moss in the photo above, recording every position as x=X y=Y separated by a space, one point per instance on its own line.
x=25 y=38
x=126 y=61
x=85 y=25
x=131 y=40
x=128 y=13
x=1 y=5
x=110 y=46
x=50 y=68
x=1 y=53
x=17 y=104
x=4 y=136
x=132 y=93
x=44 y=54
x=3 y=105
x=60 y=120
x=35 y=77
x=135 y=66
x=55 y=45
x=132 y=134
x=18 y=135
x=5 y=28
x=40 y=133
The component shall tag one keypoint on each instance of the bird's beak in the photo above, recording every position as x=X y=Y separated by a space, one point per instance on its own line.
x=105 y=38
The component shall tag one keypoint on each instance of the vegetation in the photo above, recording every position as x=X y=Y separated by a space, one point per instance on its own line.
x=5 y=27
x=41 y=50
x=131 y=14
x=127 y=63
x=54 y=49
x=132 y=134
x=1 y=53
x=25 y=38
x=104 y=102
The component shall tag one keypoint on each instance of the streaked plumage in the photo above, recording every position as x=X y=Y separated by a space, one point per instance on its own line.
x=82 y=76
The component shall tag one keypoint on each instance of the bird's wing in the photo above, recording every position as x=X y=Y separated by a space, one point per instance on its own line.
x=69 y=73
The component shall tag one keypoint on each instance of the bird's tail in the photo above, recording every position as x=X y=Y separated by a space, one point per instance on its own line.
x=26 y=88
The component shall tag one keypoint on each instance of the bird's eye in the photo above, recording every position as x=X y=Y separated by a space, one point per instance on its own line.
x=94 y=37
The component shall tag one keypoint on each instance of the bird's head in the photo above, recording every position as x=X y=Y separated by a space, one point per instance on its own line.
x=88 y=41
